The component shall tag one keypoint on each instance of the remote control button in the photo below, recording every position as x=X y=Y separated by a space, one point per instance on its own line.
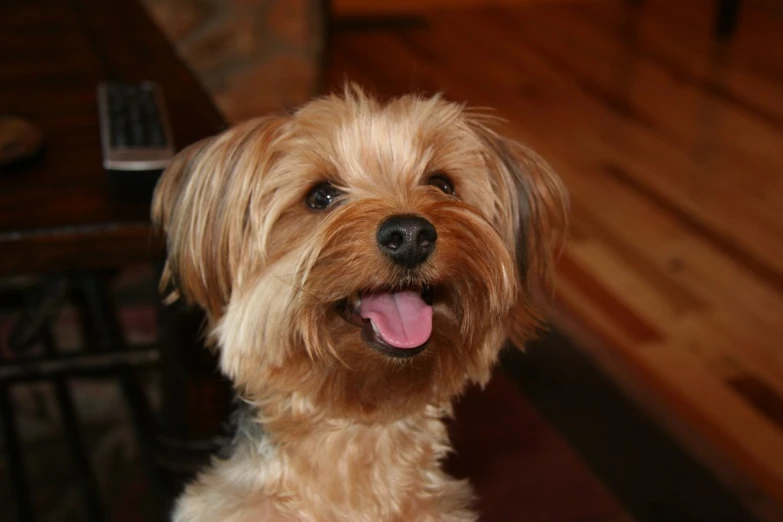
x=133 y=116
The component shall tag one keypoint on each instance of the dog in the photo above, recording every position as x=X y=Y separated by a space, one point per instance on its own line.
x=359 y=263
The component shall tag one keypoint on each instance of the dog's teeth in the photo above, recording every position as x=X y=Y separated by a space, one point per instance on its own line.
x=356 y=302
x=375 y=328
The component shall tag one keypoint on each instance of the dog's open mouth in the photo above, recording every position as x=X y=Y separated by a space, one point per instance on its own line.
x=396 y=322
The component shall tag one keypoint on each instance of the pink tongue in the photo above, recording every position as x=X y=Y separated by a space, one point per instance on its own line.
x=402 y=319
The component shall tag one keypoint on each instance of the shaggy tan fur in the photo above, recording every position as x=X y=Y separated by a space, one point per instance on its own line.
x=342 y=432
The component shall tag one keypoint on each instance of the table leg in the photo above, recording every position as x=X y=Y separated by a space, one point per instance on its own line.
x=726 y=18
x=103 y=333
x=20 y=489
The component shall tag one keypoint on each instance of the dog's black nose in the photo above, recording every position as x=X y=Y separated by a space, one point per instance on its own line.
x=408 y=240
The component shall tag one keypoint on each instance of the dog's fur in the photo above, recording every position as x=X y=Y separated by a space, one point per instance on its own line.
x=336 y=431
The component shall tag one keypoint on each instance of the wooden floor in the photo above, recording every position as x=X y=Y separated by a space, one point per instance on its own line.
x=672 y=147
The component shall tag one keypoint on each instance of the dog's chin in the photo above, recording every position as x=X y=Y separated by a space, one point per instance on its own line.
x=350 y=309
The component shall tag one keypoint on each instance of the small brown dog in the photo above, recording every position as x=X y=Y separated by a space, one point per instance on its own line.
x=359 y=263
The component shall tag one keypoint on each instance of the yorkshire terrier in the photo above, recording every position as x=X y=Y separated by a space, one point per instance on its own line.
x=359 y=264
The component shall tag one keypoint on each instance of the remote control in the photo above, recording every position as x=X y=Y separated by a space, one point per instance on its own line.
x=135 y=131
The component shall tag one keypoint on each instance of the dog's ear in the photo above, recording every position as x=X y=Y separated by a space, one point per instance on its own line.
x=201 y=204
x=534 y=213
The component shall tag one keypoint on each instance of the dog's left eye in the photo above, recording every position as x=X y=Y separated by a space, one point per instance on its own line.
x=443 y=182
x=322 y=196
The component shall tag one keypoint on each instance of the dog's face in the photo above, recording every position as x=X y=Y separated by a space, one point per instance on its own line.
x=358 y=258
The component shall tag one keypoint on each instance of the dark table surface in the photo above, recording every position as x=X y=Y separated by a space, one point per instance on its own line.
x=60 y=212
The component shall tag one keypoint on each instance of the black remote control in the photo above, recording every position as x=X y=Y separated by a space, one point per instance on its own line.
x=136 y=138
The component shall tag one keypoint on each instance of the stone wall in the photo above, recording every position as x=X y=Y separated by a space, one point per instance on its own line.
x=252 y=56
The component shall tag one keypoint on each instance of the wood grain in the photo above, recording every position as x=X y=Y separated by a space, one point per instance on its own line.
x=397 y=7
x=60 y=213
x=670 y=144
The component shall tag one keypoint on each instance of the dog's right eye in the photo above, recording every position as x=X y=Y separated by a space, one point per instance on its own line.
x=442 y=181
x=322 y=196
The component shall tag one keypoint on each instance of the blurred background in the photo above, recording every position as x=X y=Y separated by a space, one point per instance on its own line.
x=658 y=393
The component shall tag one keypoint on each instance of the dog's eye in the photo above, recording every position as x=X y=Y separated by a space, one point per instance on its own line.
x=322 y=196
x=443 y=182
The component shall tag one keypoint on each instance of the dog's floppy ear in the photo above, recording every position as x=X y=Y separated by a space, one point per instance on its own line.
x=201 y=205
x=534 y=208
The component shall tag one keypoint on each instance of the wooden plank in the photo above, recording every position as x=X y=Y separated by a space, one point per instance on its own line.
x=676 y=258
x=654 y=161
x=395 y=7
x=736 y=301
x=692 y=392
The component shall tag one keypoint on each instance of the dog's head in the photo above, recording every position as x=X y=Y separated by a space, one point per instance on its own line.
x=367 y=258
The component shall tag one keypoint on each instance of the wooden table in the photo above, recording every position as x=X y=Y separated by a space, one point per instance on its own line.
x=60 y=214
